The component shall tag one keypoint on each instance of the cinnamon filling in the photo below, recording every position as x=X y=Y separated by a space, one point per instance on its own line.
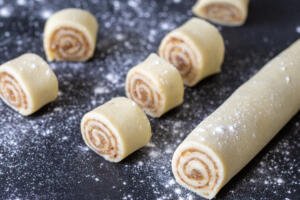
x=223 y=12
x=12 y=92
x=196 y=175
x=69 y=44
x=101 y=138
x=142 y=93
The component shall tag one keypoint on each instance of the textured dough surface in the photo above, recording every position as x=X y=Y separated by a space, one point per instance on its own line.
x=116 y=129
x=70 y=35
x=155 y=85
x=224 y=12
x=221 y=145
x=196 y=49
x=27 y=83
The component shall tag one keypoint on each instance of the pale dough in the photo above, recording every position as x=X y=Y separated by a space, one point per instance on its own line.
x=116 y=129
x=196 y=49
x=155 y=85
x=70 y=35
x=27 y=83
x=221 y=145
x=224 y=12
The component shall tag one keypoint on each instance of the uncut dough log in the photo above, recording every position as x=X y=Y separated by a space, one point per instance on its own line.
x=196 y=49
x=27 y=83
x=116 y=129
x=224 y=12
x=70 y=35
x=221 y=145
x=155 y=85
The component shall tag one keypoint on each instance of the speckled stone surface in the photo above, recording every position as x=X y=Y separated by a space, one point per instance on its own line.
x=44 y=156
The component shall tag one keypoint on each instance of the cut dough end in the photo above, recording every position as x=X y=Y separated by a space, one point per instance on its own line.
x=225 y=12
x=198 y=168
x=70 y=35
x=155 y=85
x=27 y=83
x=196 y=49
x=116 y=129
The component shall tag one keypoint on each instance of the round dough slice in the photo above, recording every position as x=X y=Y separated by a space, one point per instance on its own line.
x=221 y=145
x=155 y=85
x=27 y=83
x=70 y=35
x=224 y=12
x=116 y=129
x=196 y=49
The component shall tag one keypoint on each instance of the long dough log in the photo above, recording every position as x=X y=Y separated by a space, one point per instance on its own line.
x=27 y=83
x=221 y=145
x=224 y=12
x=70 y=35
x=116 y=129
x=196 y=49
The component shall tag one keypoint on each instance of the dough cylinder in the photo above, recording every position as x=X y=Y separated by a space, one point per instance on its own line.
x=155 y=85
x=27 y=83
x=224 y=12
x=116 y=129
x=70 y=35
x=196 y=49
x=221 y=145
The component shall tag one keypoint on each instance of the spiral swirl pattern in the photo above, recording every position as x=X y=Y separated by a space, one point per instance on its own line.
x=141 y=90
x=178 y=53
x=197 y=170
x=100 y=138
x=69 y=44
x=11 y=92
x=223 y=12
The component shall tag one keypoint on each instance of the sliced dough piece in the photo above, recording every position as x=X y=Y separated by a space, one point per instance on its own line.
x=70 y=35
x=155 y=85
x=27 y=83
x=224 y=12
x=116 y=129
x=221 y=145
x=196 y=49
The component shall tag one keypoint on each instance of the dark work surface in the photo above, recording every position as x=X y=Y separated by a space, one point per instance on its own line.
x=44 y=157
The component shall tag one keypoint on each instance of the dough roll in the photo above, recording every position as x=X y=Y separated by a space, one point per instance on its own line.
x=27 y=83
x=70 y=35
x=221 y=145
x=196 y=49
x=224 y=12
x=155 y=85
x=116 y=129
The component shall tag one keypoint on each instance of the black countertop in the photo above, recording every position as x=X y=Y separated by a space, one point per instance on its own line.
x=44 y=157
